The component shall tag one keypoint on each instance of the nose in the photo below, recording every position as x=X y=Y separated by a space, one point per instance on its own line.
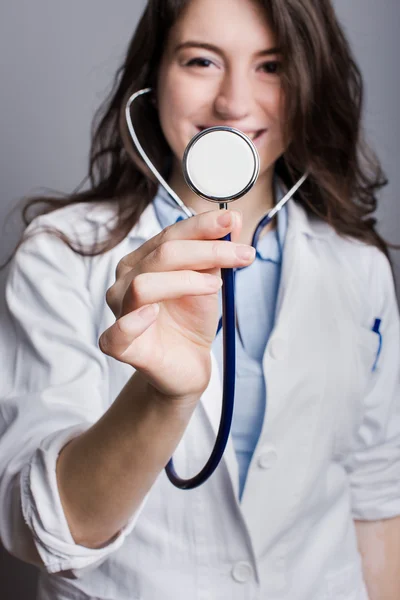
x=233 y=100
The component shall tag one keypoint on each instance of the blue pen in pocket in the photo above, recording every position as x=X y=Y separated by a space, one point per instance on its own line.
x=376 y=329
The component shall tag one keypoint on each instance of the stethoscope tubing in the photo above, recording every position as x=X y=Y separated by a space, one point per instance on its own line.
x=228 y=386
x=144 y=156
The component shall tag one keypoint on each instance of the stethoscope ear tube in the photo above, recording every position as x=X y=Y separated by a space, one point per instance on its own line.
x=229 y=359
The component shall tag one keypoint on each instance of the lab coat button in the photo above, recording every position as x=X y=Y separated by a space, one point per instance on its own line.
x=267 y=458
x=277 y=348
x=242 y=572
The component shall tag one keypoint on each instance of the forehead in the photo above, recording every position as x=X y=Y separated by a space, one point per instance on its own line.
x=231 y=23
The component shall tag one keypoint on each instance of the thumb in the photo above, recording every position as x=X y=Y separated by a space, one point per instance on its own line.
x=237 y=226
x=115 y=340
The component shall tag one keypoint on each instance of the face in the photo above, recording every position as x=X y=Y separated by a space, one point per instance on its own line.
x=221 y=67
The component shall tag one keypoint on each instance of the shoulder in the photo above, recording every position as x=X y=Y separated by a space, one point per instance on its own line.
x=83 y=218
x=364 y=262
x=87 y=223
x=361 y=270
x=348 y=253
x=44 y=254
x=364 y=274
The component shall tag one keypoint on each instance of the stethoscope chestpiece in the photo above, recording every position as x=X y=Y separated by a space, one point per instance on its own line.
x=221 y=164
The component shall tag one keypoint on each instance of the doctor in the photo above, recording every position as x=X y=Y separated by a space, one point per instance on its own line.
x=305 y=504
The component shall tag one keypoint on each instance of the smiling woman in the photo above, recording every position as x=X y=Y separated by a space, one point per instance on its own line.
x=117 y=364
x=295 y=104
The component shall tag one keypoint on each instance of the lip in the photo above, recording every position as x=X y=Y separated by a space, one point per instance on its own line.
x=254 y=134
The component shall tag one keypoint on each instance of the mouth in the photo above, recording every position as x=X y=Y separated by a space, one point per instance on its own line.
x=253 y=135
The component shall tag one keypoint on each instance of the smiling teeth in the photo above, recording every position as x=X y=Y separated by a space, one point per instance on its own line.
x=252 y=136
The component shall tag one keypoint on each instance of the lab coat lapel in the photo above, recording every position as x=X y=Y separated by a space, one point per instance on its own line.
x=291 y=282
x=296 y=370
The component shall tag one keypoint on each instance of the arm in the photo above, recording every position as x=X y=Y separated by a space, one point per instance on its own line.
x=53 y=393
x=117 y=461
x=50 y=361
x=373 y=464
x=379 y=546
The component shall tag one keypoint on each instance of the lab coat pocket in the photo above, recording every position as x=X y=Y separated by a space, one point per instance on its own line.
x=346 y=583
x=369 y=343
x=362 y=357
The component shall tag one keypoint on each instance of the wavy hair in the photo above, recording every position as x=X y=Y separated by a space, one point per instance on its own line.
x=324 y=91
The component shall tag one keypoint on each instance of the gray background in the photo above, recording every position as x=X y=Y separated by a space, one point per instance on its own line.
x=57 y=60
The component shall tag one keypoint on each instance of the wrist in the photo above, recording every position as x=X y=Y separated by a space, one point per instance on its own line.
x=180 y=403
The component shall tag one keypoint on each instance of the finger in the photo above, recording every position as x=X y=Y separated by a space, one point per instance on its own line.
x=211 y=225
x=115 y=340
x=175 y=255
x=149 y=288
x=180 y=255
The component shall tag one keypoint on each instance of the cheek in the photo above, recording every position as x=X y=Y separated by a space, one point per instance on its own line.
x=276 y=107
x=168 y=113
x=176 y=95
x=169 y=104
x=176 y=103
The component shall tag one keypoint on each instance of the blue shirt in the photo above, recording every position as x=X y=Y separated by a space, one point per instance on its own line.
x=255 y=319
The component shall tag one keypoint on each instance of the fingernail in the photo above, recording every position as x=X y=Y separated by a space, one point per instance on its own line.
x=237 y=215
x=245 y=252
x=225 y=219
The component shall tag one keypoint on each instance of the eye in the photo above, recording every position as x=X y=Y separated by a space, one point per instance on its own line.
x=199 y=62
x=271 y=67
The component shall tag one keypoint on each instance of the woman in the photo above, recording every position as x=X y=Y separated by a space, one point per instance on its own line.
x=97 y=400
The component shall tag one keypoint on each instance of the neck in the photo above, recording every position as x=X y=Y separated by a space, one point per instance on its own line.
x=253 y=206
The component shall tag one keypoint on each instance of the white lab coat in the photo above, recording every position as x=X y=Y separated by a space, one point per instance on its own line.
x=329 y=450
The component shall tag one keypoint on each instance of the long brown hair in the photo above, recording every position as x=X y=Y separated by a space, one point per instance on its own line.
x=324 y=92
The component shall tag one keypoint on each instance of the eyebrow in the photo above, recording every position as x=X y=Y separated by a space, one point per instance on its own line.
x=212 y=48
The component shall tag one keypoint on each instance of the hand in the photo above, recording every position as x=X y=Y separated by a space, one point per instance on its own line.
x=165 y=300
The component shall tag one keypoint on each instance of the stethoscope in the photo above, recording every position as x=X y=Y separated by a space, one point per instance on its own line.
x=220 y=164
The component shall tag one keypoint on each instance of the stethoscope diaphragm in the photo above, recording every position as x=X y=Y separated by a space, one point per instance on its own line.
x=221 y=164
